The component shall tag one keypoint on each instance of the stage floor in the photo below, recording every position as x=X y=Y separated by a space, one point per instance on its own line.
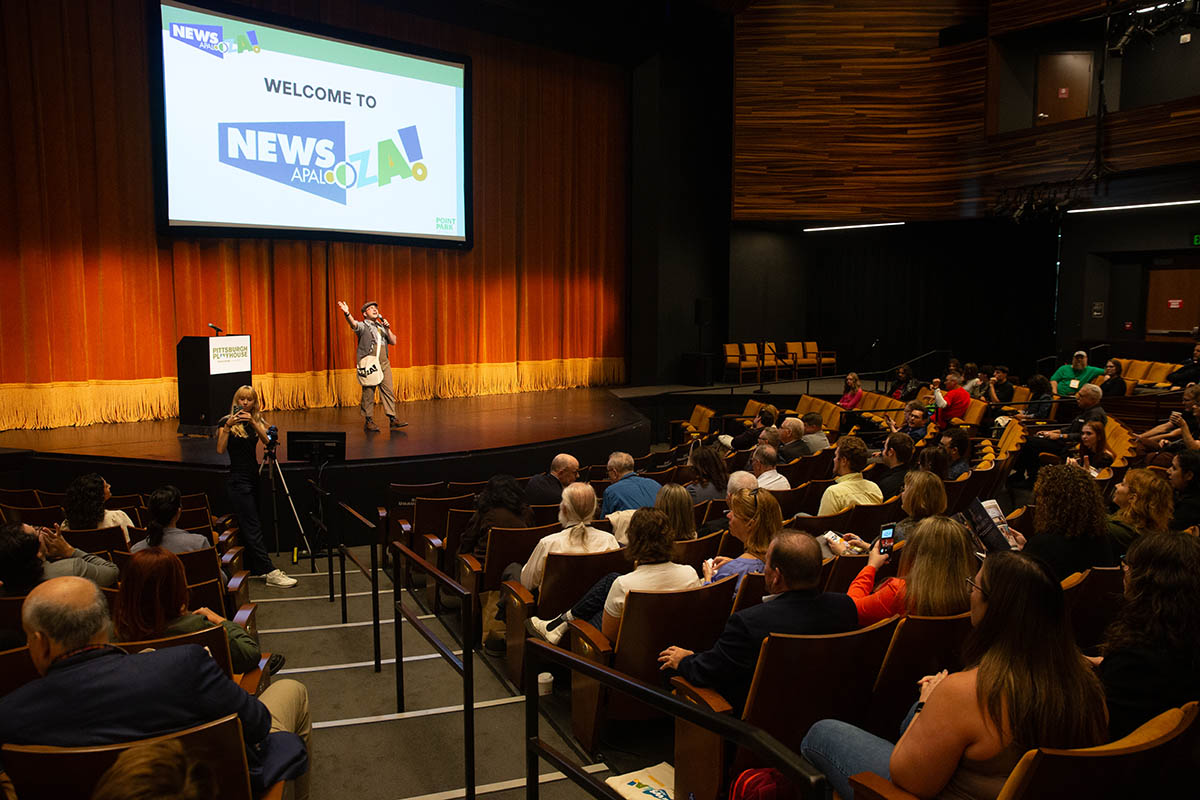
x=446 y=427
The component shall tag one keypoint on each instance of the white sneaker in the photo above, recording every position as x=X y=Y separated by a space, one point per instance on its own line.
x=277 y=578
x=552 y=636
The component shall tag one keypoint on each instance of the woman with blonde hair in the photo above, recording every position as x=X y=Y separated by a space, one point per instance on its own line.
x=676 y=502
x=754 y=520
x=239 y=434
x=576 y=512
x=931 y=580
x=1144 y=505
x=924 y=496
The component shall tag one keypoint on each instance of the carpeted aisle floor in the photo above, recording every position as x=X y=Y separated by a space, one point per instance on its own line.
x=362 y=749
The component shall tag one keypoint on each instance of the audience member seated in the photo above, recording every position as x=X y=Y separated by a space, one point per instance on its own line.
x=1114 y=384
x=953 y=403
x=906 y=386
x=934 y=458
x=602 y=605
x=85 y=509
x=999 y=390
x=1040 y=401
x=1159 y=444
x=1188 y=372
x=765 y=418
x=958 y=447
x=627 y=490
x=1070 y=378
x=712 y=475
x=576 y=511
x=791 y=440
x=1026 y=686
x=763 y=464
x=754 y=520
x=972 y=383
x=152 y=603
x=814 y=437
x=1151 y=652
x=157 y=771
x=850 y=487
x=923 y=496
x=675 y=502
x=931 y=579
x=795 y=605
x=546 y=488
x=1070 y=526
x=741 y=479
x=1184 y=476
x=1144 y=505
x=852 y=395
x=1057 y=442
x=501 y=504
x=897 y=456
x=164 y=507
x=93 y=693
x=916 y=422
x=1092 y=454
x=30 y=555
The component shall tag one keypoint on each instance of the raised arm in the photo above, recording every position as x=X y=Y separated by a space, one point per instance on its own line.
x=345 y=309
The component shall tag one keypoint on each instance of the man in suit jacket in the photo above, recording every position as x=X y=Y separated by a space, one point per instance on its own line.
x=792 y=571
x=94 y=693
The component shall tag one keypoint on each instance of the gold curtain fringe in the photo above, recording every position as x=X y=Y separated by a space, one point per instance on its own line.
x=54 y=405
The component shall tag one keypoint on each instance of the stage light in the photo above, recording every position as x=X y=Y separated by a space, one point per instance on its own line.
x=849 y=227
x=1129 y=207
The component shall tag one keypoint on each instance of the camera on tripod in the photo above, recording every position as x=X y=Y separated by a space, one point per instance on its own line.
x=272 y=439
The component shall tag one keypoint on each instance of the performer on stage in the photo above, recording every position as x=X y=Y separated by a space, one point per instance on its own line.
x=240 y=433
x=374 y=369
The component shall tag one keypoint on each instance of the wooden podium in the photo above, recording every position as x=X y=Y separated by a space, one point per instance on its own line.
x=210 y=370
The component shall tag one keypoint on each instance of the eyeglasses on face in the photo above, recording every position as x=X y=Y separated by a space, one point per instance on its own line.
x=974 y=585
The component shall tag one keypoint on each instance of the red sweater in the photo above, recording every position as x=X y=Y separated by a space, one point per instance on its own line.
x=872 y=607
x=958 y=400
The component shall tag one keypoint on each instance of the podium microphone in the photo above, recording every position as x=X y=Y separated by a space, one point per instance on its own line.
x=215 y=328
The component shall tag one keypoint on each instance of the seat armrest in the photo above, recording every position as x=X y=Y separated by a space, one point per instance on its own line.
x=469 y=571
x=405 y=525
x=432 y=543
x=588 y=642
x=237 y=591
x=247 y=618
x=232 y=559
x=706 y=698
x=518 y=592
x=869 y=786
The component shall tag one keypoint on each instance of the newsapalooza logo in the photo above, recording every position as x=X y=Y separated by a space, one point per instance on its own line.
x=311 y=156
x=210 y=39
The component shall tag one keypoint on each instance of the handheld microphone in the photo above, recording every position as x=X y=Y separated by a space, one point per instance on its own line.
x=215 y=328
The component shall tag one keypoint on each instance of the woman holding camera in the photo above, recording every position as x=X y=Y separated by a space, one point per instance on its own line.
x=239 y=434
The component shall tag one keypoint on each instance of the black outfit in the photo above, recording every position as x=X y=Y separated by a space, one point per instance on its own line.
x=1113 y=387
x=729 y=666
x=793 y=450
x=905 y=390
x=1066 y=556
x=1004 y=392
x=1039 y=407
x=1187 y=509
x=746 y=439
x=475 y=536
x=242 y=485
x=543 y=490
x=916 y=434
x=891 y=482
x=1142 y=682
x=1027 y=461
x=1188 y=373
x=1096 y=460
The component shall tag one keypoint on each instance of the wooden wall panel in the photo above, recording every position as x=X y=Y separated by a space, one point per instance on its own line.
x=1014 y=15
x=849 y=111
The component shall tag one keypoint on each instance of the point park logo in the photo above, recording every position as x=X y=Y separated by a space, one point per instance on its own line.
x=311 y=156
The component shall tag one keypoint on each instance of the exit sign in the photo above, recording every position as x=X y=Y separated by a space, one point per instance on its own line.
x=1196 y=240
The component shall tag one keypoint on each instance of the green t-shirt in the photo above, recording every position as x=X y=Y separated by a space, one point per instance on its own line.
x=1065 y=374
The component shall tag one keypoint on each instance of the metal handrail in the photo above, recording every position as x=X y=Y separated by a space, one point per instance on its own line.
x=464 y=666
x=808 y=780
x=371 y=575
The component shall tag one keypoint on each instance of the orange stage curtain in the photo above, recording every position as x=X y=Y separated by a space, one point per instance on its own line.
x=94 y=300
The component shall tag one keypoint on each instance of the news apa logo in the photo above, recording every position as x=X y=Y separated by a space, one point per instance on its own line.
x=311 y=156
x=211 y=39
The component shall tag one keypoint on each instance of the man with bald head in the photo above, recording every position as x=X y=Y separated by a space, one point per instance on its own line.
x=93 y=693
x=794 y=605
x=547 y=488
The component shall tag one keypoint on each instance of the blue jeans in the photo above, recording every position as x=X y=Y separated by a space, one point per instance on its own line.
x=840 y=750
x=243 y=494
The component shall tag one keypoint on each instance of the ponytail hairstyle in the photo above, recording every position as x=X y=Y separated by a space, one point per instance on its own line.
x=576 y=511
x=163 y=506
